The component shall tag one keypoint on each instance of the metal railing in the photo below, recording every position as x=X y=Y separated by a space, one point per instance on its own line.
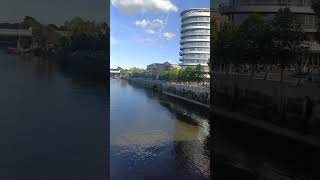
x=298 y=4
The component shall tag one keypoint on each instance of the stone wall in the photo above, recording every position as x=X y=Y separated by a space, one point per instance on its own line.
x=286 y=105
x=197 y=93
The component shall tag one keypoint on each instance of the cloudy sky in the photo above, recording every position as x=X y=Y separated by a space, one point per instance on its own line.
x=147 y=31
x=53 y=11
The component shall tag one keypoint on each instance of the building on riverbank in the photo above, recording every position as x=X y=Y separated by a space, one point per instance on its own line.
x=195 y=37
x=154 y=70
x=238 y=10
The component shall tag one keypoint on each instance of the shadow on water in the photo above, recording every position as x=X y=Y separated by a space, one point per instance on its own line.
x=184 y=111
x=250 y=153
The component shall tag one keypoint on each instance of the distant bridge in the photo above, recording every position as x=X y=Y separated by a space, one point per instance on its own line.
x=25 y=32
x=114 y=71
x=16 y=32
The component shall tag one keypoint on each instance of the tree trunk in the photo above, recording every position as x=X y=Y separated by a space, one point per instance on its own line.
x=227 y=69
x=281 y=74
x=253 y=69
x=267 y=69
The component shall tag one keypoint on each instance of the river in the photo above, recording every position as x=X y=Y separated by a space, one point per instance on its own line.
x=53 y=121
x=155 y=137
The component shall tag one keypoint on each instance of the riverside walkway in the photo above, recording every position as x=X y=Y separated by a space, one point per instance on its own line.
x=198 y=94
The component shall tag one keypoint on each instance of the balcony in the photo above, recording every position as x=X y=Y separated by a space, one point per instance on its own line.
x=194 y=27
x=205 y=13
x=194 y=40
x=193 y=52
x=193 y=22
x=194 y=46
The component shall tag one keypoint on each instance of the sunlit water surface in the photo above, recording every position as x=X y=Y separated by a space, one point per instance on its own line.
x=155 y=137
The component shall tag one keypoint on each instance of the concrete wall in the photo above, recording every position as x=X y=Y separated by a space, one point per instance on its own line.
x=278 y=103
x=191 y=93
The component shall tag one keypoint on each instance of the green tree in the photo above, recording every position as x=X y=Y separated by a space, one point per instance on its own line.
x=124 y=73
x=200 y=75
x=136 y=72
x=164 y=75
x=30 y=22
x=86 y=35
x=170 y=74
x=316 y=7
x=256 y=46
x=173 y=74
x=226 y=48
x=289 y=39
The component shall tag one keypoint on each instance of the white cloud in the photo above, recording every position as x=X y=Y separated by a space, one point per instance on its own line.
x=144 y=6
x=146 y=40
x=150 y=31
x=168 y=36
x=145 y=23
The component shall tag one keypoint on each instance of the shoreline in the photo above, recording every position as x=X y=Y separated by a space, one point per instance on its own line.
x=163 y=88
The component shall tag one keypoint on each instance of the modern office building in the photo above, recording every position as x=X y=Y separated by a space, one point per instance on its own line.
x=239 y=10
x=195 y=37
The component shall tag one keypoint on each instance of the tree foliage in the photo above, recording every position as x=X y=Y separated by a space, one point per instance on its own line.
x=188 y=74
x=316 y=7
x=258 y=41
x=289 y=39
x=86 y=35
x=136 y=72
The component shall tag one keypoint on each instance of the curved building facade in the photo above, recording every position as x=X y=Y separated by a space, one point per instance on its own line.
x=195 y=37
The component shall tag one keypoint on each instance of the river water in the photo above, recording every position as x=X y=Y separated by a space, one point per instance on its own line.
x=155 y=137
x=53 y=125
x=52 y=121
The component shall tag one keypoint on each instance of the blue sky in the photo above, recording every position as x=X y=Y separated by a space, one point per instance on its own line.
x=147 y=31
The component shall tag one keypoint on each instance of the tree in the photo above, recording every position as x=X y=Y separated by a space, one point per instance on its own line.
x=316 y=7
x=85 y=35
x=226 y=48
x=124 y=73
x=136 y=72
x=256 y=46
x=289 y=39
x=30 y=22
x=164 y=75
x=213 y=39
x=170 y=74
x=200 y=75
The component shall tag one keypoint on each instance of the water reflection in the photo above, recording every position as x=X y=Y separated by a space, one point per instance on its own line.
x=152 y=137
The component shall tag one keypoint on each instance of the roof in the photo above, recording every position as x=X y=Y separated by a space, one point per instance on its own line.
x=194 y=9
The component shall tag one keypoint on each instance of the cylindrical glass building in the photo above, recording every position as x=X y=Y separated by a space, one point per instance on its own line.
x=195 y=37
